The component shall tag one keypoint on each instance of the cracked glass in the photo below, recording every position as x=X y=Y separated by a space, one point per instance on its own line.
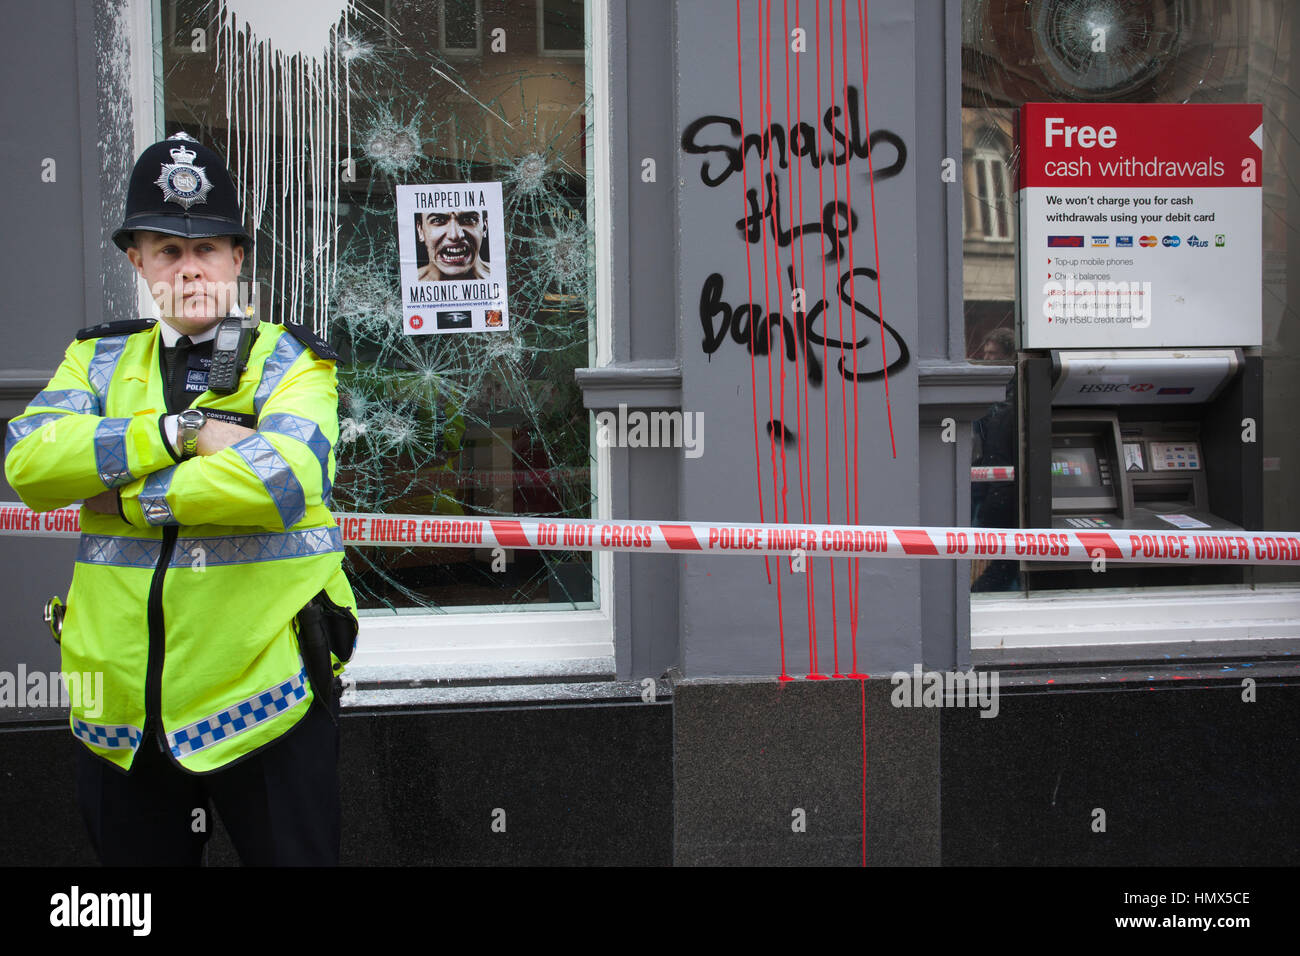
x=478 y=424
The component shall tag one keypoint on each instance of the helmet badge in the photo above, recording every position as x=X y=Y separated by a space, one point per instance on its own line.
x=181 y=181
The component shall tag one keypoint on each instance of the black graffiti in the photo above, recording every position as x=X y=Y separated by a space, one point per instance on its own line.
x=748 y=326
x=837 y=221
x=781 y=145
x=779 y=432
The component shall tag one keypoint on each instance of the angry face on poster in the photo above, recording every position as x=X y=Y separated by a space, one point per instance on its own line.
x=453 y=240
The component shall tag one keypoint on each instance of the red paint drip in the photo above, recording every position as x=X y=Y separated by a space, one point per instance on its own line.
x=802 y=416
x=826 y=406
x=765 y=121
x=839 y=310
x=854 y=596
x=864 y=10
x=749 y=274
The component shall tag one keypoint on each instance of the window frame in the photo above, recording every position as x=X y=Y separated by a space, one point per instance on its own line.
x=983 y=161
x=460 y=53
x=542 y=49
x=394 y=646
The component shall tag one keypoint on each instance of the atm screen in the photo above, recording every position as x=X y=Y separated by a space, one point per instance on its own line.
x=1074 y=468
x=1082 y=474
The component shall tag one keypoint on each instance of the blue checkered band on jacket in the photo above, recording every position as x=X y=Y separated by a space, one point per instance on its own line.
x=245 y=715
x=108 y=736
x=284 y=354
x=308 y=432
x=281 y=483
x=110 y=452
x=153 y=497
x=69 y=400
x=20 y=428
x=108 y=351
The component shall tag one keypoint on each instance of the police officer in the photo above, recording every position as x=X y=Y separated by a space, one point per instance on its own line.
x=208 y=582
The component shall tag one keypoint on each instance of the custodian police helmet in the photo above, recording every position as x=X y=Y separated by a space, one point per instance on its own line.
x=181 y=188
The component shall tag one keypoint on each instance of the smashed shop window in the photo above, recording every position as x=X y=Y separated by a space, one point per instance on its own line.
x=323 y=115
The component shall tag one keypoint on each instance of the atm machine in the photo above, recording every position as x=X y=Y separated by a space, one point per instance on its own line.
x=1140 y=438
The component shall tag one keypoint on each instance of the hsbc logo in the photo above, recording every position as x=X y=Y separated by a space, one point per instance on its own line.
x=1112 y=388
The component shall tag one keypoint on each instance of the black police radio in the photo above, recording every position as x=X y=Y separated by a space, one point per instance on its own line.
x=230 y=354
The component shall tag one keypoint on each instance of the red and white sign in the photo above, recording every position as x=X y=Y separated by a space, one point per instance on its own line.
x=1140 y=225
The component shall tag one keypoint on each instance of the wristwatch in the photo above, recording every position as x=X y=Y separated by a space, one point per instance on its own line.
x=188 y=424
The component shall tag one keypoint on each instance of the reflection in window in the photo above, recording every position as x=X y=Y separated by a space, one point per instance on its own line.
x=461 y=24
x=994 y=196
x=560 y=29
x=470 y=424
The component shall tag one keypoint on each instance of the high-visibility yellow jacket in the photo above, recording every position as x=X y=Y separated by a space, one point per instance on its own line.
x=186 y=602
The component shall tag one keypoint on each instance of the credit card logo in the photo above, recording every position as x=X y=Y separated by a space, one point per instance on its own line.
x=1101 y=242
x=1123 y=242
x=1148 y=241
x=1065 y=242
x=1170 y=241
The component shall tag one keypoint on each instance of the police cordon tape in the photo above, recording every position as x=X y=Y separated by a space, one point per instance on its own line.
x=853 y=541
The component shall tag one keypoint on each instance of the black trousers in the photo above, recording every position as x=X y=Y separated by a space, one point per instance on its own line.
x=280 y=805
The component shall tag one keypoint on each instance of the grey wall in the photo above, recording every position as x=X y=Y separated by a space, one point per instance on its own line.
x=64 y=69
x=729 y=610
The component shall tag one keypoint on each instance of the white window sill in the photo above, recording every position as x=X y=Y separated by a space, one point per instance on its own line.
x=428 y=643
x=1136 y=623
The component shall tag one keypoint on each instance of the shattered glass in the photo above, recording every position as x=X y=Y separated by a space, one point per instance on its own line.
x=1156 y=51
x=474 y=424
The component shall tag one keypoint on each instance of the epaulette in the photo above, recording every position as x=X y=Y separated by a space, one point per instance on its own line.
x=125 y=327
x=310 y=339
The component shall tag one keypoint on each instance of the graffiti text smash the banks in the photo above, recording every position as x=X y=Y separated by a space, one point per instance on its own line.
x=727 y=148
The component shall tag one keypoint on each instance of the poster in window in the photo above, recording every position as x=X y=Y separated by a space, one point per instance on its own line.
x=453 y=264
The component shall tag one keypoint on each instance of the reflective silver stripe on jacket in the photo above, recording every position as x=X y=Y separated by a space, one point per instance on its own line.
x=20 y=428
x=308 y=432
x=250 y=548
x=123 y=552
x=118 y=551
x=69 y=399
x=153 y=497
x=110 y=452
x=108 y=352
x=283 y=356
x=281 y=483
x=108 y=736
x=244 y=715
